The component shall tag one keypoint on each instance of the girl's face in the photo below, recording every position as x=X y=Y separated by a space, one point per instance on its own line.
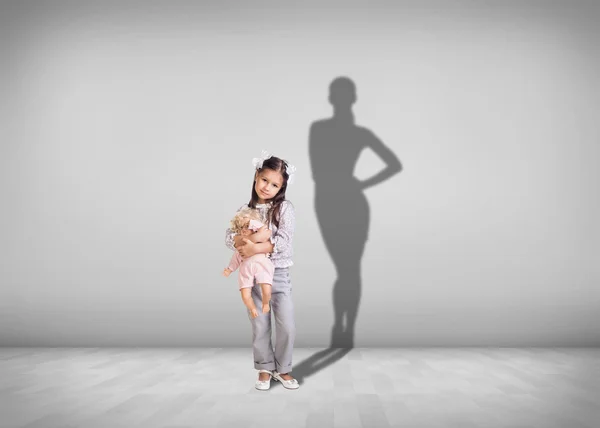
x=267 y=184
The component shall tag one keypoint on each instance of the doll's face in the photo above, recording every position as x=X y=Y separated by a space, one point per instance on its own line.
x=245 y=231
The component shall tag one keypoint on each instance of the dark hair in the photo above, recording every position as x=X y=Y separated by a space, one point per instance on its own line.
x=278 y=165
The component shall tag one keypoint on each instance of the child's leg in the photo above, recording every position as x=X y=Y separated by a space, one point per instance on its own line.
x=266 y=297
x=248 y=301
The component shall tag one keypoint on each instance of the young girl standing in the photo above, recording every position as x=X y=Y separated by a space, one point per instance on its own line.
x=268 y=197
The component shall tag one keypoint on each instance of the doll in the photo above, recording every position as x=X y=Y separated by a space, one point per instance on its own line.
x=257 y=268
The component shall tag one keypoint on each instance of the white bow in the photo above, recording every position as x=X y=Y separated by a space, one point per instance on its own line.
x=258 y=162
x=291 y=169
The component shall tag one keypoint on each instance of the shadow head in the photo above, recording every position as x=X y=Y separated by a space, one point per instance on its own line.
x=342 y=92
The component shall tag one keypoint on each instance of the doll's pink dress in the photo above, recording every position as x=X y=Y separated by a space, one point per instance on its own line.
x=258 y=267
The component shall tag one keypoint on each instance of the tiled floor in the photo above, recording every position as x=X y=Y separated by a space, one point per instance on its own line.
x=205 y=387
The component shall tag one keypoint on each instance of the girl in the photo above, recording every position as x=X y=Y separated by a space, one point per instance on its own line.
x=268 y=197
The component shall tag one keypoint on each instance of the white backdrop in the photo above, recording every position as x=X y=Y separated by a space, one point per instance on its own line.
x=127 y=133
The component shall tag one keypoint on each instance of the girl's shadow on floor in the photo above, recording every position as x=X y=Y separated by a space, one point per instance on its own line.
x=317 y=362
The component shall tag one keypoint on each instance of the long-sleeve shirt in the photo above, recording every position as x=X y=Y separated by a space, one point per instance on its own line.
x=281 y=237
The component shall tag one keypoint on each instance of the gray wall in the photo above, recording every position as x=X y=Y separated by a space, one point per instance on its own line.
x=127 y=133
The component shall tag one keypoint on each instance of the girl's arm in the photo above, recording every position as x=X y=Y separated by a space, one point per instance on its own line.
x=239 y=240
x=263 y=247
x=249 y=248
x=263 y=234
x=230 y=238
x=282 y=240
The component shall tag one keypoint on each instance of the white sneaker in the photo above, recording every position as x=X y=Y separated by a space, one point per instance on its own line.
x=263 y=385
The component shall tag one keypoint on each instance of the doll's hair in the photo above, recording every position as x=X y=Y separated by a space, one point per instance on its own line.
x=278 y=165
x=243 y=217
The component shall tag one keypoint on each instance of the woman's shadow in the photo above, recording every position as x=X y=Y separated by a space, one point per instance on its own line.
x=335 y=145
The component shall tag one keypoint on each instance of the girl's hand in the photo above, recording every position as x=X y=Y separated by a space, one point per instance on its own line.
x=226 y=272
x=238 y=240
x=247 y=249
x=261 y=235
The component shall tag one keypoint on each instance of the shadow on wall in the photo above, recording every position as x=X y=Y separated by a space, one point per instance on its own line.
x=342 y=210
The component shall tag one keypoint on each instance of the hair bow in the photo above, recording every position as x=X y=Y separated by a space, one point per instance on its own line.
x=291 y=170
x=258 y=162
